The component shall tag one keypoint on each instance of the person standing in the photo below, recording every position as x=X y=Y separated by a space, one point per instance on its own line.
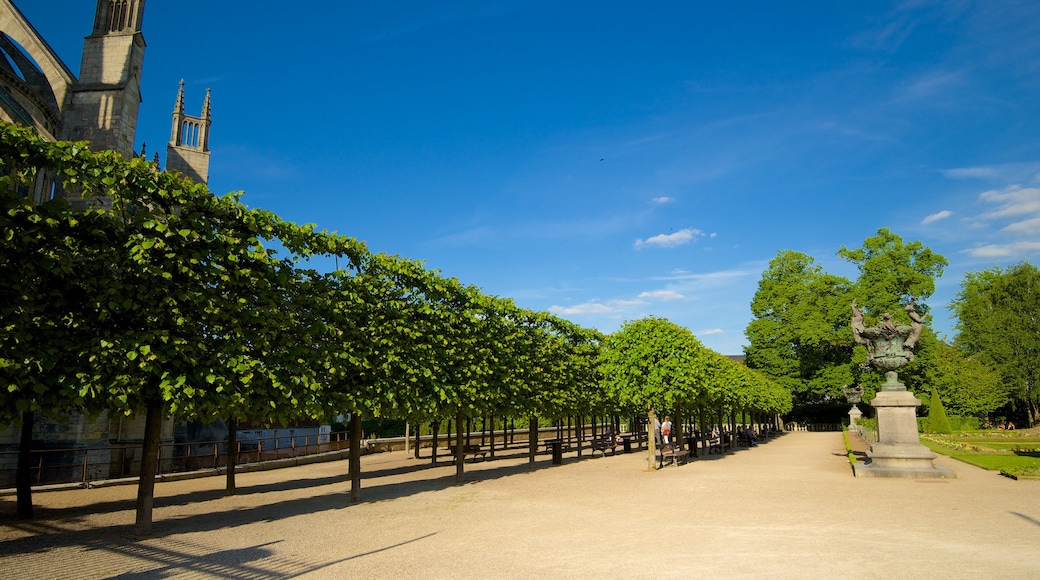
x=666 y=430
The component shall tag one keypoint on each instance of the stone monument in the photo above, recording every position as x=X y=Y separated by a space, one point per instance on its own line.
x=898 y=451
x=854 y=394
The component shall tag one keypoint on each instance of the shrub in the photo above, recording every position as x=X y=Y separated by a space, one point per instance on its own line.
x=938 y=422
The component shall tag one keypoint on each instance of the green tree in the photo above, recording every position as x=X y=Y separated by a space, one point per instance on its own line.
x=799 y=335
x=180 y=273
x=54 y=265
x=998 y=322
x=891 y=272
x=967 y=383
x=654 y=364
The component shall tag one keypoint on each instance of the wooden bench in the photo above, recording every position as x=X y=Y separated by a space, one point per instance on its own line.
x=601 y=444
x=673 y=454
x=471 y=450
x=715 y=445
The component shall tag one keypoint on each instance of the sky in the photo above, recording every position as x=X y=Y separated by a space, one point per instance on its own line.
x=611 y=160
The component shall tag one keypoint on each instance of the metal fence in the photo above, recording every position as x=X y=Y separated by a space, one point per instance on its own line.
x=792 y=426
x=87 y=464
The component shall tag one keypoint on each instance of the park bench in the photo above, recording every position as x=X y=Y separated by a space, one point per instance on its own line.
x=603 y=443
x=715 y=445
x=471 y=450
x=673 y=454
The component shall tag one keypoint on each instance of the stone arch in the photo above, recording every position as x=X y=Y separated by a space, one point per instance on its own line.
x=44 y=78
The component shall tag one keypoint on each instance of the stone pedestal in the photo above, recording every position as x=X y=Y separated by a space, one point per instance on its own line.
x=898 y=451
x=854 y=415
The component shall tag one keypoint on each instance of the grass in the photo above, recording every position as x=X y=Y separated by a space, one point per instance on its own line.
x=1012 y=455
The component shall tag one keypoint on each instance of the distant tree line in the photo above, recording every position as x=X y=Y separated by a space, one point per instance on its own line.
x=800 y=334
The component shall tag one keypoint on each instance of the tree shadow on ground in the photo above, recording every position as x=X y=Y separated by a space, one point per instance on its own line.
x=64 y=527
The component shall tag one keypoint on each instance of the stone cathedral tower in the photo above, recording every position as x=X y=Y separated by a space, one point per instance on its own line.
x=188 y=150
x=102 y=106
x=37 y=89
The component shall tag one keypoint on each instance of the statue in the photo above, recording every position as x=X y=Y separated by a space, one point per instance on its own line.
x=889 y=345
x=898 y=451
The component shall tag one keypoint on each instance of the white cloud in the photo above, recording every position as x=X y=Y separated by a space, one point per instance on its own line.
x=662 y=295
x=1014 y=201
x=1024 y=171
x=710 y=332
x=1029 y=226
x=662 y=200
x=596 y=307
x=970 y=172
x=937 y=217
x=677 y=239
x=1004 y=250
x=587 y=308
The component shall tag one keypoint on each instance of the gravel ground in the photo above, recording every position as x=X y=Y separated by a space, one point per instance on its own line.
x=789 y=508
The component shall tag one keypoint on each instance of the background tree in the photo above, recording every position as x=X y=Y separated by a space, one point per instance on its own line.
x=967 y=384
x=891 y=273
x=799 y=336
x=998 y=314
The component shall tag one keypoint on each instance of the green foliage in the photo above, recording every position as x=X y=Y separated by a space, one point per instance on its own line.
x=799 y=336
x=375 y=428
x=891 y=271
x=654 y=364
x=938 y=422
x=998 y=327
x=966 y=383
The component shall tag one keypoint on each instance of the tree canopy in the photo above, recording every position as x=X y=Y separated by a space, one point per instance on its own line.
x=998 y=313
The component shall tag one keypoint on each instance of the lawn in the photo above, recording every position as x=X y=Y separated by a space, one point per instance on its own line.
x=1015 y=455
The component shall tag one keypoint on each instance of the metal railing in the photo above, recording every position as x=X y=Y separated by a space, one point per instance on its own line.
x=794 y=426
x=87 y=464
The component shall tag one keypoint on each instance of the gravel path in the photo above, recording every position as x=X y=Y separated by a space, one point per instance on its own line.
x=789 y=508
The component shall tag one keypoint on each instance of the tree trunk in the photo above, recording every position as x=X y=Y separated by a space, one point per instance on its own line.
x=23 y=474
x=149 y=467
x=532 y=441
x=435 y=427
x=677 y=428
x=355 y=458
x=418 y=438
x=651 y=444
x=460 y=457
x=701 y=430
x=579 y=429
x=232 y=455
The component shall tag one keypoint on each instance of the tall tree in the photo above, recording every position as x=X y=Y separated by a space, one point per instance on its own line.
x=968 y=385
x=799 y=335
x=892 y=272
x=999 y=321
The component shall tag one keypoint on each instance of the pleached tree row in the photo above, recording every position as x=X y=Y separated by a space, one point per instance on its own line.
x=155 y=297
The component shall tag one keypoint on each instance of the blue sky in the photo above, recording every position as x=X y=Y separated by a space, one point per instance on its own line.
x=609 y=160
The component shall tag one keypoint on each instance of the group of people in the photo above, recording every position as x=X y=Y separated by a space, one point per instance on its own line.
x=664 y=433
